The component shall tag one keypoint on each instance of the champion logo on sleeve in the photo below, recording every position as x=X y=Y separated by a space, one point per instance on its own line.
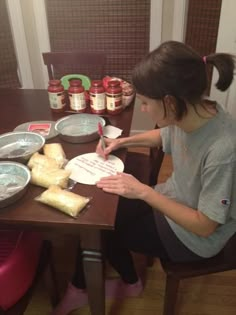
x=225 y=202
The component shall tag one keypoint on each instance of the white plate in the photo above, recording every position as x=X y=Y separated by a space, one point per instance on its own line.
x=90 y=167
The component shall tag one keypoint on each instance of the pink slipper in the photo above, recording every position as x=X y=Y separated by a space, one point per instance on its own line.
x=74 y=298
x=118 y=289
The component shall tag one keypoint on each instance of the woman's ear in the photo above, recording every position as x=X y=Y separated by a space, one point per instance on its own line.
x=169 y=100
x=170 y=103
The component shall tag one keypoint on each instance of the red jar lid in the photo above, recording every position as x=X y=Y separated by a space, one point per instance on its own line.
x=54 y=82
x=96 y=83
x=114 y=83
x=75 y=82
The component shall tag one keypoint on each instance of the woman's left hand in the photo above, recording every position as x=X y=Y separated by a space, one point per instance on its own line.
x=122 y=184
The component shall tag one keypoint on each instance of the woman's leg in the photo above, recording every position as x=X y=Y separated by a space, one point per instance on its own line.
x=135 y=230
x=75 y=295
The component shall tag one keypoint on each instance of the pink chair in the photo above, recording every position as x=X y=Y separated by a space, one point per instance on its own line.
x=24 y=256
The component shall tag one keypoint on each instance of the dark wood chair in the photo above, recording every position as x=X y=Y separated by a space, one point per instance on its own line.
x=224 y=261
x=91 y=64
x=45 y=268
x=145 y=167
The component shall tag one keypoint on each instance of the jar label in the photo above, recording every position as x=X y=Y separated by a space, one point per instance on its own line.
x=114 y=102
x=98 y=101
x=77 y=101
x=57 y=100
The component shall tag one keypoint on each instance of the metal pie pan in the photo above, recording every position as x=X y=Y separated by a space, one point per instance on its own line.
x=20 y=146
x=79 y=128
x=24 y=127
x=14 y=181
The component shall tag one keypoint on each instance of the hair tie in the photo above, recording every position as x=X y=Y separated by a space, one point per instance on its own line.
x=204 y=59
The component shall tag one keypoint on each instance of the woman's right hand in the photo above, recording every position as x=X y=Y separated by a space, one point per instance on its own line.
x=111 y=145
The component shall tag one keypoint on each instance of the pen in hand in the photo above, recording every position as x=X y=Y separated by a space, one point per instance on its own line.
x=100 y=132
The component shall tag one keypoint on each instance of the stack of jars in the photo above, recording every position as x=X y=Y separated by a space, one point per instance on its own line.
x=99 y=99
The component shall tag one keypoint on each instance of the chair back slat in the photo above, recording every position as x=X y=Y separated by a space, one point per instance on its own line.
x=89 y=63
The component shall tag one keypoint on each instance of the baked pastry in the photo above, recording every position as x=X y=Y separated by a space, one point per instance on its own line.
x=44 y=176
x=65 y=201
x=56 y=152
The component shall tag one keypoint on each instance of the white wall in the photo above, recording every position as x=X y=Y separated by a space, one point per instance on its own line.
x=36 y=30
x=20 y=42
x=226 y=43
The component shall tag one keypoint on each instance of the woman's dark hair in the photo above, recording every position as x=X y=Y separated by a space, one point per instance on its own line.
x=177 y=70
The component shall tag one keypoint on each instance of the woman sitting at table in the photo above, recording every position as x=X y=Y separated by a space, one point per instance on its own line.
x=193 y=215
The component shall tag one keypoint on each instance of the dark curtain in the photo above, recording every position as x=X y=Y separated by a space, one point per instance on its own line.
x=8 y=62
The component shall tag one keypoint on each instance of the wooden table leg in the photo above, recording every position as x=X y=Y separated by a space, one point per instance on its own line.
x=93 y=269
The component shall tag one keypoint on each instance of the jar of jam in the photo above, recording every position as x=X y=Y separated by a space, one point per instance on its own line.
x=77 y=96
x=97 y=97
x=114 y=97
x=56 y=95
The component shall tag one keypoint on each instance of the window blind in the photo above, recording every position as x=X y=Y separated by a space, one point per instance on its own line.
x=202 y=26
x=120 y=28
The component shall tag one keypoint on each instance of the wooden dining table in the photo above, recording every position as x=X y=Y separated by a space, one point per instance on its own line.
x=19 y=106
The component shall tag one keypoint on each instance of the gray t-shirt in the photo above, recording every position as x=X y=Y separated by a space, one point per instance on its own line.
x=204 y=178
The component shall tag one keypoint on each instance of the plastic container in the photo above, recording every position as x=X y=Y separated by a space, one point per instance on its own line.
x=56 y=95
x=114 y=97
x=77 y=96
x=97 y=97
x=65 y=80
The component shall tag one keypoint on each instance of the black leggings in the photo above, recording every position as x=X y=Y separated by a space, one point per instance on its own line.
x=135 y=230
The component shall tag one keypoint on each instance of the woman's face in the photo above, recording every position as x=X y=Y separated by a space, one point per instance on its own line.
x=155 y=109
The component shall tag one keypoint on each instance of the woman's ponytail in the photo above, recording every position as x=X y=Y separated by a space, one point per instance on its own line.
x=225 y=64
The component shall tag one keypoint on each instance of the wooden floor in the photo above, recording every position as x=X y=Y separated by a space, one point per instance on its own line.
x=208 y=295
